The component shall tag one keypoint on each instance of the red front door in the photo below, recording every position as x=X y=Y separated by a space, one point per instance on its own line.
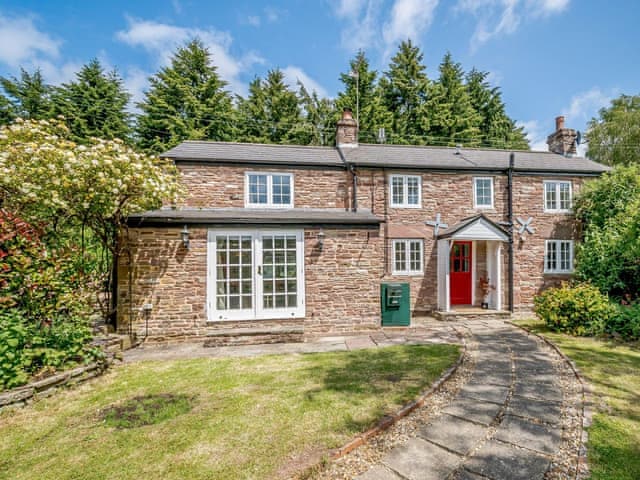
x=460 y=273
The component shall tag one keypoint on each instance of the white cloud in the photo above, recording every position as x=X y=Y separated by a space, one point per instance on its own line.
x=161 y=40
x=21 y=41
x=349 y=8
x=362 y=27
x=253 y=20
x=585 y=105
x=536 y=135
x=503 y=17
x=409 y=19
x=294 y=74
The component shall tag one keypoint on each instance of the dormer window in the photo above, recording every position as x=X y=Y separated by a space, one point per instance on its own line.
x=269 y=190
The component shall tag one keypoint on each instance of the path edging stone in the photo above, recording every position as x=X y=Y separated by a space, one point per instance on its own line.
x=389 y=420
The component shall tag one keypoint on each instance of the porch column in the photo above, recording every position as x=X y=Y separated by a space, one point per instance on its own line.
x=444 y=298
x=498 y=275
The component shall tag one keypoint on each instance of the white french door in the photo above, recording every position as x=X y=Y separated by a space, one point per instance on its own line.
x=255 y=274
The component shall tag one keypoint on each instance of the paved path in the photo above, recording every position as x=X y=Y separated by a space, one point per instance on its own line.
x=504 y=424
x=437 y=332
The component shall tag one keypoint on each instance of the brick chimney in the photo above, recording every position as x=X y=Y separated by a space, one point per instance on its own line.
x=563 y=140
x=347 y=130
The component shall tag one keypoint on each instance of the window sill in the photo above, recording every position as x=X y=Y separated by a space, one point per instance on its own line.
x=558 y=273
x=406 y=206
x=564 y=212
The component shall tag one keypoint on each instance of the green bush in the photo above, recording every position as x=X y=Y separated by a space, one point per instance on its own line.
x=27 y=349
x=579 y=309
x=625 y=322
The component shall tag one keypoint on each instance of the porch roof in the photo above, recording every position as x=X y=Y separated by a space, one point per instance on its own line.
x=478 y=227
x=254 y=216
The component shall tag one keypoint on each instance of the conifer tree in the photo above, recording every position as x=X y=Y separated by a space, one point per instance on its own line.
x=270 y=113
x=28 y=96
x=449 y=114
x=319 y=116
x=404 y=88
x=6 y=110
x=94 y=104
x=498 y=129
x=186 y=100
x=367 y=103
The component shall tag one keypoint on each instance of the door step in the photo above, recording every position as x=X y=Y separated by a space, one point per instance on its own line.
x=472 y=314
x=254 y=336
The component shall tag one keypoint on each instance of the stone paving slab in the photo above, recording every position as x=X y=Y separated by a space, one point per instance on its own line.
x=466 y=475
x=548 y=412
x=474 y=410
x=378 y=473
x=499 y=461
x=501 y=365
x=484 y=392
x=453 y=433
x=535 y=377
x=356 y=343
x=420 y=460
x=503 y=378
x=549 y=391
x=523 y=433
x=534 y=365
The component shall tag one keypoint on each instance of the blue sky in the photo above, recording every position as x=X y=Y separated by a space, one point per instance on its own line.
x=550 y=57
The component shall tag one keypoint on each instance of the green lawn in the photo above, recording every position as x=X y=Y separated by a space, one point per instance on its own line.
x=249 y=418
x=613 y=369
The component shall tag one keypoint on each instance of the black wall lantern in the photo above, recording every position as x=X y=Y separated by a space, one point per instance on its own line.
x=321 y=236
x=184 y=234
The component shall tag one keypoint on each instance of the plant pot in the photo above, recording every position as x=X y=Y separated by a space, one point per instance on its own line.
x=484 y=306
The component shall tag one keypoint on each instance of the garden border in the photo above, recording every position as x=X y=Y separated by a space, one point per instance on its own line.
x=24 y=395
x=582 y=470
x=389 y=420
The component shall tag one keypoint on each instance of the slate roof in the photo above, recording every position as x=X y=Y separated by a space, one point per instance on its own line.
x=255 y=153
x=388 y=156
x=294 y=216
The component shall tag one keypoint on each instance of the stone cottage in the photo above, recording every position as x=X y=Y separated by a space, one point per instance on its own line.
x=281 y=242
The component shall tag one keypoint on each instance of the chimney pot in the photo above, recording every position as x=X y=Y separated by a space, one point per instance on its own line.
x=559 y=123
x=347 y=130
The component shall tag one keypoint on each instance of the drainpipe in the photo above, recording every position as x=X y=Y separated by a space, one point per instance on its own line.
x=354 y=176
x=510 y=226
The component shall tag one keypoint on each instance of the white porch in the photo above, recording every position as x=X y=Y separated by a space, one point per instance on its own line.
x=486 y=239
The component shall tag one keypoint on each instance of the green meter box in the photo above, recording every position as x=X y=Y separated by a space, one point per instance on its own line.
x=395 y=304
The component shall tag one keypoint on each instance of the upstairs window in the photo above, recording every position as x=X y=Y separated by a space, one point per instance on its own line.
x=483 y=192
x=405 y=191
x=269 y=190
x=557 y=196
x=558 y=256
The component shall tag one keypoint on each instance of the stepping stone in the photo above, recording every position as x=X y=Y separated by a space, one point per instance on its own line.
x=453 y=433
x=548 y=412
x=378 y=473
x=420 y=460
x=474 y=410
x=548 y=391
x=499 y=461
x=485 y=392
x=520 y=432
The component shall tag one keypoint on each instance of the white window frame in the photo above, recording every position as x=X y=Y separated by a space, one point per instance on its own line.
x=269 y=204
x=557 y=244
x=475 y=192
x=405 y=191
x=257 y=312
x=556 y=183
x=407 y=243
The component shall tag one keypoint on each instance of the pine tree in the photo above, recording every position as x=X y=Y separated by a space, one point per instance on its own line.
x=498 y=129
x=7 y=113
x=319 y=116
x=94 y=104
x=186 y=100
x=404 y=91
x=270 y=114
x=449 y=114
x=28 y=96
x=366 y=104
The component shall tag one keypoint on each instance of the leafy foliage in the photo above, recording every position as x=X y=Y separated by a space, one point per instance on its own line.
x=187 y=100
x=614 y=137
x=29 y=96
x=579 y=309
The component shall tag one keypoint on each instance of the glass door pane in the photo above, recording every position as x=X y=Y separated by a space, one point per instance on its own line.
x=279 y=271
x=233 y=273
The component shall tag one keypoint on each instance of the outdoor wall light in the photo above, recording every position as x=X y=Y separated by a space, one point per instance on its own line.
x=184 y=234
x=321 y=237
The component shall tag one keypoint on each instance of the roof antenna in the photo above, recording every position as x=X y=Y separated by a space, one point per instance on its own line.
x=458 y=148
